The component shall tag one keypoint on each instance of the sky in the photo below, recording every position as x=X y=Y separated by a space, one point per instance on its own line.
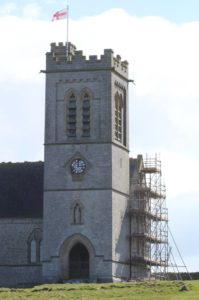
x=160 y=41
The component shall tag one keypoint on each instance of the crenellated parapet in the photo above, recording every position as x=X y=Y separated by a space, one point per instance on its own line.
x=64 y=57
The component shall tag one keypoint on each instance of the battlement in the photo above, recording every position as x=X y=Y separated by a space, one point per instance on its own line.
x=66 y=57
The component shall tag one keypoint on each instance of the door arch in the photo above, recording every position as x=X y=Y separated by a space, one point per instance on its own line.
x=64 y=255
x=78 y=262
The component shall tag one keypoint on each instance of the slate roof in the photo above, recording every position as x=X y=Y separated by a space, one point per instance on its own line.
x=21 y=190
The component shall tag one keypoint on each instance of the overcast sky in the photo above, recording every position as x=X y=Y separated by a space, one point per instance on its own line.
x=160 y=41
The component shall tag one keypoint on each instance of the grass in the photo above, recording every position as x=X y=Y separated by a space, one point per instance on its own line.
x=157 y=290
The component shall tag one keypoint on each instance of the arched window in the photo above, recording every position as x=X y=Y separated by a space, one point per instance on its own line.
x=34 y=246
x=120 y=117
x=86 y=115
x=33 y=251
x=40 y=250
x=71 y=115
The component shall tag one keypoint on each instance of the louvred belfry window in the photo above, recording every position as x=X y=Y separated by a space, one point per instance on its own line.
x=86 y=115
x=71 y=118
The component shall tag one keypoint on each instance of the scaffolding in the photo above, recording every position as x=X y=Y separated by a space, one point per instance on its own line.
x=148 y=220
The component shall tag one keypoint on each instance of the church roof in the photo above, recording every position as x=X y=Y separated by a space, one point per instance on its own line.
x=135 y=165
x=21 y=190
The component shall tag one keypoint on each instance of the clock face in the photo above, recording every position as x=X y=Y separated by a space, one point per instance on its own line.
x=78 y=166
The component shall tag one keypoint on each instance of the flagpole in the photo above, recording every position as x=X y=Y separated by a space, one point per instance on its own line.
x=67 y=46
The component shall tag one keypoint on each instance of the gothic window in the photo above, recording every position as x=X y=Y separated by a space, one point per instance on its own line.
x=86 y=115
x=34 y=246
x=71 y=115
x=120 y=117
x=33 y=251
x=40 y=249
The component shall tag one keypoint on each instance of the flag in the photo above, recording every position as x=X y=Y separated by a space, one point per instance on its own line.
x=61 y=14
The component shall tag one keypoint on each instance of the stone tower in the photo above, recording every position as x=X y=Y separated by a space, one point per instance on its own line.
x=86 y=173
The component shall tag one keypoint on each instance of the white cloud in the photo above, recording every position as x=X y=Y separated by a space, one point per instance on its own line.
x=180 y=172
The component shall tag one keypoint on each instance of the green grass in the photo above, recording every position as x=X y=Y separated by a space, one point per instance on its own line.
x=157 y=290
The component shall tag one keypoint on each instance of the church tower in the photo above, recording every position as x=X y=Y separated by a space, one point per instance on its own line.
x=86 y=172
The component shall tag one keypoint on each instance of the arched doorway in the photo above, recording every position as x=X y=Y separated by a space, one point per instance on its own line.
x=78 y=262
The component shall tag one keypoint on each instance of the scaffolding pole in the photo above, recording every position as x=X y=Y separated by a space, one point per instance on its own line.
x=149 y=220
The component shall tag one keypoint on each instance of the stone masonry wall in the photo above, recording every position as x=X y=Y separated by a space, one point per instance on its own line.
x=14 y=265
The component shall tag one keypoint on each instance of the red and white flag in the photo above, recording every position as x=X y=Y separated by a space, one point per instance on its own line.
x=61 y=14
